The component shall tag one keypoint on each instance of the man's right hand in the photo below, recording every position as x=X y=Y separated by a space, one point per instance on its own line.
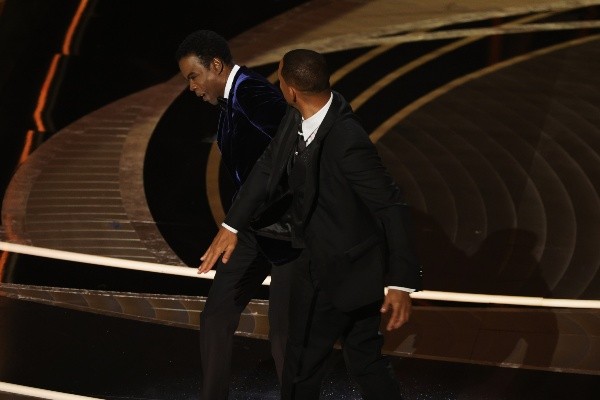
x=224 y=243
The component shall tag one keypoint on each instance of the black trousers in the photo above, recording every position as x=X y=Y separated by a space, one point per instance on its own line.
x=234 y=286
x=315 y=326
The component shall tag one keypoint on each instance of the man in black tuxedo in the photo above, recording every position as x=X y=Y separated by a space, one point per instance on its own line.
x=251 y=110
x=350 y=218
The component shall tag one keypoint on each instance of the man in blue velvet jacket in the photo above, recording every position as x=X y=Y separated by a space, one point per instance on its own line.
x=251 y=110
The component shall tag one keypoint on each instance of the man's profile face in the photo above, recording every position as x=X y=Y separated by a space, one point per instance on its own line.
x=205 y=82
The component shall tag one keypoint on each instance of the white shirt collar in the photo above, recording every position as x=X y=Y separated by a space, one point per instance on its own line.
x=229 y=83
x=310 y=125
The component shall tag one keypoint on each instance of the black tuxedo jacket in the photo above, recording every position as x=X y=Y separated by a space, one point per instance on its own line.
x=354 y=222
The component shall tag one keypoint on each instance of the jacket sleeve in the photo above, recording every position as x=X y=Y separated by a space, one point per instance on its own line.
x=254 y=193
x=362 y=167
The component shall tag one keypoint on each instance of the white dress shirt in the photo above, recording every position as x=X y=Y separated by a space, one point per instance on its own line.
x=229 y=83
x=311 y=124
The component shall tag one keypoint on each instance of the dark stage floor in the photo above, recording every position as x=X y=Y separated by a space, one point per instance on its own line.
x=113 y=358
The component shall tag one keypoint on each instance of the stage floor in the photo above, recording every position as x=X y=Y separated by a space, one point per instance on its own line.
x=113 y=358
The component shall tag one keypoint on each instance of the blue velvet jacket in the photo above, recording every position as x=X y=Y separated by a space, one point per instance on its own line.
x=254 y=110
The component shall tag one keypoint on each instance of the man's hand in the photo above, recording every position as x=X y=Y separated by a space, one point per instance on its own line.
x=223 y=243
x=400 y=303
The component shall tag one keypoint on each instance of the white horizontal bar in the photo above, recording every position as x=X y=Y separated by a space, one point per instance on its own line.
x=500 y=299
x=104 y=261
x=40 y=393
x=109 y=261
x=192 y=272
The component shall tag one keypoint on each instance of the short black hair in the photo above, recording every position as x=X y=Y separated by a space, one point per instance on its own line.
x=206 y=45
x=306 y=70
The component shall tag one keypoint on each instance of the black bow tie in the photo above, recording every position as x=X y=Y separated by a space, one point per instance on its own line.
x=222 y=103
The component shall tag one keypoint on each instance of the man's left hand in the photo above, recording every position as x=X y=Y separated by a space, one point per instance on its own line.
x=400 y=303
x=223 y=244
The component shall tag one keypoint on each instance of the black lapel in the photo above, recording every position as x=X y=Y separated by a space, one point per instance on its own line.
x=312 y=174
x=289 y=134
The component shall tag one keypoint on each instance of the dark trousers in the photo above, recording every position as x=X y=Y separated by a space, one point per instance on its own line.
x=234 y=286
x=315 y=326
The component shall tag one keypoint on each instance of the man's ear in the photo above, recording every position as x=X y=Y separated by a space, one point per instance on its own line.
x=292 y=94
x=217 y=65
